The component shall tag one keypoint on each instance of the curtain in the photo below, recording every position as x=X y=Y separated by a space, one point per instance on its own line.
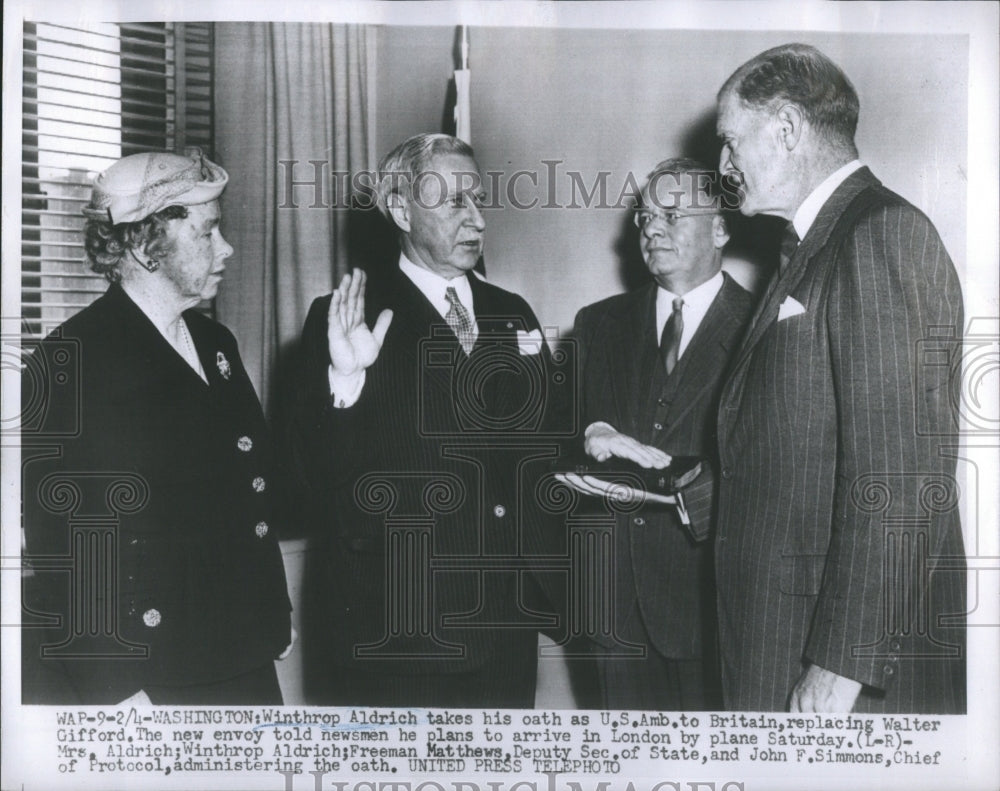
x=292 y=103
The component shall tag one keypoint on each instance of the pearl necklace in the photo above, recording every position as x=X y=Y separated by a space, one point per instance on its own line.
x=191 y=355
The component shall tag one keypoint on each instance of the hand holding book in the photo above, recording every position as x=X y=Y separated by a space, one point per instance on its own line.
x=626 y=471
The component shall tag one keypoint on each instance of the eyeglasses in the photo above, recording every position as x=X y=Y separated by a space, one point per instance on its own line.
x=643 y=217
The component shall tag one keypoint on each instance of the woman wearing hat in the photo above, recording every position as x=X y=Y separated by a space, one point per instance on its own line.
x=151 y=521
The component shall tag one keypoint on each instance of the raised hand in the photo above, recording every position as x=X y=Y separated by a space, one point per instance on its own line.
x=353 y=347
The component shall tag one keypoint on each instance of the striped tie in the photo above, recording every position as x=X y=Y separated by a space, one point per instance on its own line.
x=670 y=340
x=459 y=320
x=789 y=243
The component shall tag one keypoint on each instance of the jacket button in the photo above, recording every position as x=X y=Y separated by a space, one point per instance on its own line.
x=727 y=473
x=499 y=511
x=638 y=521
x=244 y=444
x=259 y=484
x=658 y=426
x=152 y=618
x=261 y=529
x=894 y=645
x=888 y=670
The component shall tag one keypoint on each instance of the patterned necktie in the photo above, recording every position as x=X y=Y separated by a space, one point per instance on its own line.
x=789 y=243
x=670 y=341
x=459 y=320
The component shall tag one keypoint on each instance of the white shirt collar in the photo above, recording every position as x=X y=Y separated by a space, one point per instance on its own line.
x=433 y=286
x=809 y=210
x=697 y=301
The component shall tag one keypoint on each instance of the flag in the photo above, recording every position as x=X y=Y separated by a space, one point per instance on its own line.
x=463 y=109
x=463 y=112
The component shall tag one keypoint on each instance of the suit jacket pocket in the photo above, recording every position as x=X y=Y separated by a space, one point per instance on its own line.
x=801 y=574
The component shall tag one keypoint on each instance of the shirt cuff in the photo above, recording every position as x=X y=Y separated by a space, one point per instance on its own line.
x=345 y=390
x=598 y=424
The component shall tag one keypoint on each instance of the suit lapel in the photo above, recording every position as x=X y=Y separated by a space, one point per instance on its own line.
x=490 y=318
x=409 y=305
x=816 y=237
x=482 y=304
x=156 y=353
x=417 y=337
x=705 y=355
x=631 y=371
x=218 y=368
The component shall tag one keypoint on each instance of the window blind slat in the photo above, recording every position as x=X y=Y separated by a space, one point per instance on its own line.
x=29 y=180
x=75 y=266
x=131 y=70
x=100 y=50
x=76 y=31
x=94 y=95
x=66 y=120
x=102 y=287
x=53 y=212
x=123 y=116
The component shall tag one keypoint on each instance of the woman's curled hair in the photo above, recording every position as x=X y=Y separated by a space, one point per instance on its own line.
x=107 y=244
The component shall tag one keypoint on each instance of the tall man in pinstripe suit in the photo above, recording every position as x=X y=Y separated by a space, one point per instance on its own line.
x=839 y=554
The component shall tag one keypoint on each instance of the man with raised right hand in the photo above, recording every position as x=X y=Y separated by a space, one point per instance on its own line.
x=417 y=411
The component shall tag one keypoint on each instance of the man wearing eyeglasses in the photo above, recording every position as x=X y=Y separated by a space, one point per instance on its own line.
x=653 y=365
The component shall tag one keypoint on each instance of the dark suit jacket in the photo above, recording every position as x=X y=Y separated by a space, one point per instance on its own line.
x=122 y=434
x=658 y=561
x=433 y=466
x=838 y=535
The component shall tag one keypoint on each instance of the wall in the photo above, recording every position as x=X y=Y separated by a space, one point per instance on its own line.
x=415 y=68
x=621 y=100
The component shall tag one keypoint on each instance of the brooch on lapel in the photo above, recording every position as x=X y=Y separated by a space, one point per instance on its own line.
x=223 y=365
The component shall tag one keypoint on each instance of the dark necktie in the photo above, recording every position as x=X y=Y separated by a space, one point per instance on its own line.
x=459 y=320
x=670 y=341
x=789 y=243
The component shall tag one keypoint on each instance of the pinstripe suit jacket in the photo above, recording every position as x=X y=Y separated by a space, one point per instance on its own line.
x=838 y=537
x=662 y=575
x=440 y=447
